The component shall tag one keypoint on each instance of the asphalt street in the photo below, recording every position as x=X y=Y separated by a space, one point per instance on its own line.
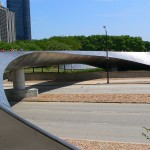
x=99 y=86
x=105 y=122
x=97 y=89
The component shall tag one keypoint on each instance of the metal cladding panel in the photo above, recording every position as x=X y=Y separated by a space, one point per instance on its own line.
x=139 y=57
x=19 y=134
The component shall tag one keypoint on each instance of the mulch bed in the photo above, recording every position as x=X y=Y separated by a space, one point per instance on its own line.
x=92 y=98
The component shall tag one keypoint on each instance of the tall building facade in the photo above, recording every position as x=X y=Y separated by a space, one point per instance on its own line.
x=7 y=25
x=21 y=8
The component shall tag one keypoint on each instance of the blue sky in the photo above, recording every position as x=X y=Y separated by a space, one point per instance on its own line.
x=87 y=17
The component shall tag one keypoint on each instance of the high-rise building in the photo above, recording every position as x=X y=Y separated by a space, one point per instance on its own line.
x=21 y=8
x=7 y=25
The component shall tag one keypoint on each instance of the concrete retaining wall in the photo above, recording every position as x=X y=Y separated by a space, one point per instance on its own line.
x=82 y=76
x=129 y=74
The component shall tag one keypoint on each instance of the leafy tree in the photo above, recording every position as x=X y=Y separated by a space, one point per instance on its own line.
x=5 y=46
x=70 y=41
x=55 y=45
x=93 y=42
x=147 y=46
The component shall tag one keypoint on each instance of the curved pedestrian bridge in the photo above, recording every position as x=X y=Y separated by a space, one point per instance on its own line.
x=16 y=133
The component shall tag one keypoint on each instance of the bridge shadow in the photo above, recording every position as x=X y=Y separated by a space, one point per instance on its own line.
x=53 y=85
x=42 y=88
x=49 y=86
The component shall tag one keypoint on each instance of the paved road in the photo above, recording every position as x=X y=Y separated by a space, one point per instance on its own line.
x=96 y=89
x=99 y=86
x=108 y=122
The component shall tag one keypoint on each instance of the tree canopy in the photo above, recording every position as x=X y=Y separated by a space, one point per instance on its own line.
x=93 y=42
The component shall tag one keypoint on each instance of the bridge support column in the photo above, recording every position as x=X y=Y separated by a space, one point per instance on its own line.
x=19 y=79
x=19 y=92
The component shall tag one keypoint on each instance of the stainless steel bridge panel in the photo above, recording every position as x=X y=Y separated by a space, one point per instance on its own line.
x=18 y=134
x=97 y=59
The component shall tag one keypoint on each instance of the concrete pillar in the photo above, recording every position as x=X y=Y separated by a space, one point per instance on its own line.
x=19 y=79
x=19 y=92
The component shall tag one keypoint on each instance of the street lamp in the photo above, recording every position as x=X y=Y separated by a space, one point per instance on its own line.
x=107 y=57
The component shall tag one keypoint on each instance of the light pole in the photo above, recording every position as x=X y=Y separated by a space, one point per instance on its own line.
x=107 y=57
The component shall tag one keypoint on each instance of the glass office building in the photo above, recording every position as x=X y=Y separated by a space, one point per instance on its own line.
x=21 y=8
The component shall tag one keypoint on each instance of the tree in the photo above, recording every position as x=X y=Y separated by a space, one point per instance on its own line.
x=93 y=42
x=55 y=45
x=5 y=46
x=147 y=46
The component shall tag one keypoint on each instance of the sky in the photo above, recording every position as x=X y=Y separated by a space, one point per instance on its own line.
x=87 y=17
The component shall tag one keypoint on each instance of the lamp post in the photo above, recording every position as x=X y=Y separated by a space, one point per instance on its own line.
x=107 y=57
